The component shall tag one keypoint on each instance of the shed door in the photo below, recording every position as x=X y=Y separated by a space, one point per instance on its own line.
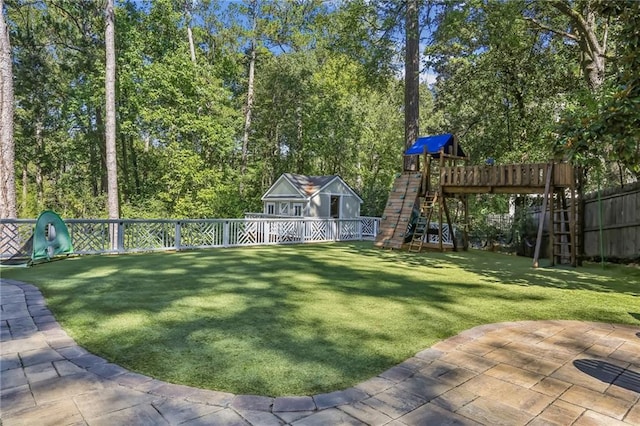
x=335 y=206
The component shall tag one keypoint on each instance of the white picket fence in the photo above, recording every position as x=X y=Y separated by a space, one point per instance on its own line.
x=94 y=236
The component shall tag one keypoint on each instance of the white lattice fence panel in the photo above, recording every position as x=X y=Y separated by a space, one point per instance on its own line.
x=368 y=226
x=245 y=233
x=93 y=235
x=201 y=234
x=149 y=235
x=13 y=236
x=349 y=230
x=253 y=232
x=318 y=231
x=287 y=231
x=89 y=237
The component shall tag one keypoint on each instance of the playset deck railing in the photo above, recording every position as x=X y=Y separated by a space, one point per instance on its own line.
x=505 y=178
x=93 y=236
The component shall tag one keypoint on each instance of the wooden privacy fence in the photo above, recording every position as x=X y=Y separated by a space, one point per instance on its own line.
x=620 y=223
x=93 y=236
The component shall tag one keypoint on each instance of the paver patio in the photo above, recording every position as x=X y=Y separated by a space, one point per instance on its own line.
x=521 y=373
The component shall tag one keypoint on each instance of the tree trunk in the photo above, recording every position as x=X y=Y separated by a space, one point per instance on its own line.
x=299 y=156
x=249 y=109
x=592 y=52
x=110 y=125
x=411 y=80
x=250 y=92
x=583 y=32
x=7 y=155
x=39 y=161
x=192 y=48
x=125 y=167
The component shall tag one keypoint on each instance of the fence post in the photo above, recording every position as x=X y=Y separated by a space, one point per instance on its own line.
x=225 y=234
x=120 y=248
x=178 y=243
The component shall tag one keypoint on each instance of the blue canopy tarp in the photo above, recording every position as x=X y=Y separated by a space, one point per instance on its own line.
x=433 y=145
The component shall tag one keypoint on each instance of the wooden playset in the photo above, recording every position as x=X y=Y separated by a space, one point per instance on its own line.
x=418 y=205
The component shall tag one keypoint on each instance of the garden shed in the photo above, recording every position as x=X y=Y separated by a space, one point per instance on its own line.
x=311 y=196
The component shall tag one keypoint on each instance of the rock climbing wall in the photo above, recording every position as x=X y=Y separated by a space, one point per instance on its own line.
x=397 y=213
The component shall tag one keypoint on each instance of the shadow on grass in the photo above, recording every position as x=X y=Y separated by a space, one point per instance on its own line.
x=513 y=270
x=509 y=269
x=245 y=321
x=291 y=319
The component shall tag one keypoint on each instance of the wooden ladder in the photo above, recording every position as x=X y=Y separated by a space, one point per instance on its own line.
x=423 y=221
x=562 y=224
x=563 y=231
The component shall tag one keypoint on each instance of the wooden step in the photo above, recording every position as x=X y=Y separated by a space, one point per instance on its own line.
x=563 y=255
x=562 y=243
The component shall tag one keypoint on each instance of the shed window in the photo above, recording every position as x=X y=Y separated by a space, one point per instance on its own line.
x=297 y=209
x=271 y=208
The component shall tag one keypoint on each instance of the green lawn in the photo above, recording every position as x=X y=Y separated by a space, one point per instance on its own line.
x=306 y=319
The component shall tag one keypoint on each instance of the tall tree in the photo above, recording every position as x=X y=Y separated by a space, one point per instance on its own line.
x=110 y=122
x=603 y=131
x=500 y=81
x=248 y=110
x=587 y=28
x=7 y=147
x=411 y=79
x=192 y=48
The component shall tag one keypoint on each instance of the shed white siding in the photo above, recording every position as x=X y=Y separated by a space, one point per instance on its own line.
x=337 y=187
x=312 y=196
x=316 y=206
x=350 y=208
x=284 y=188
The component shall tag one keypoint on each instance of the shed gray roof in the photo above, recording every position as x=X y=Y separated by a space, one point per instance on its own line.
x=305 y=186
x=308 y=185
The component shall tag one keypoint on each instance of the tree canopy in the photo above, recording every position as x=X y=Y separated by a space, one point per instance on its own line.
x=215 y=99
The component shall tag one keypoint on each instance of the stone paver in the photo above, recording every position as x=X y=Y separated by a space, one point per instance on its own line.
x=395 y=402
x=366 y=414
x=587 y=398
x=561 y=413
x=293 y=403
x=262 y=418
x=529 y=373
x=331 y=416
x=252 y=402
x=333 y=399
x=490 y=411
